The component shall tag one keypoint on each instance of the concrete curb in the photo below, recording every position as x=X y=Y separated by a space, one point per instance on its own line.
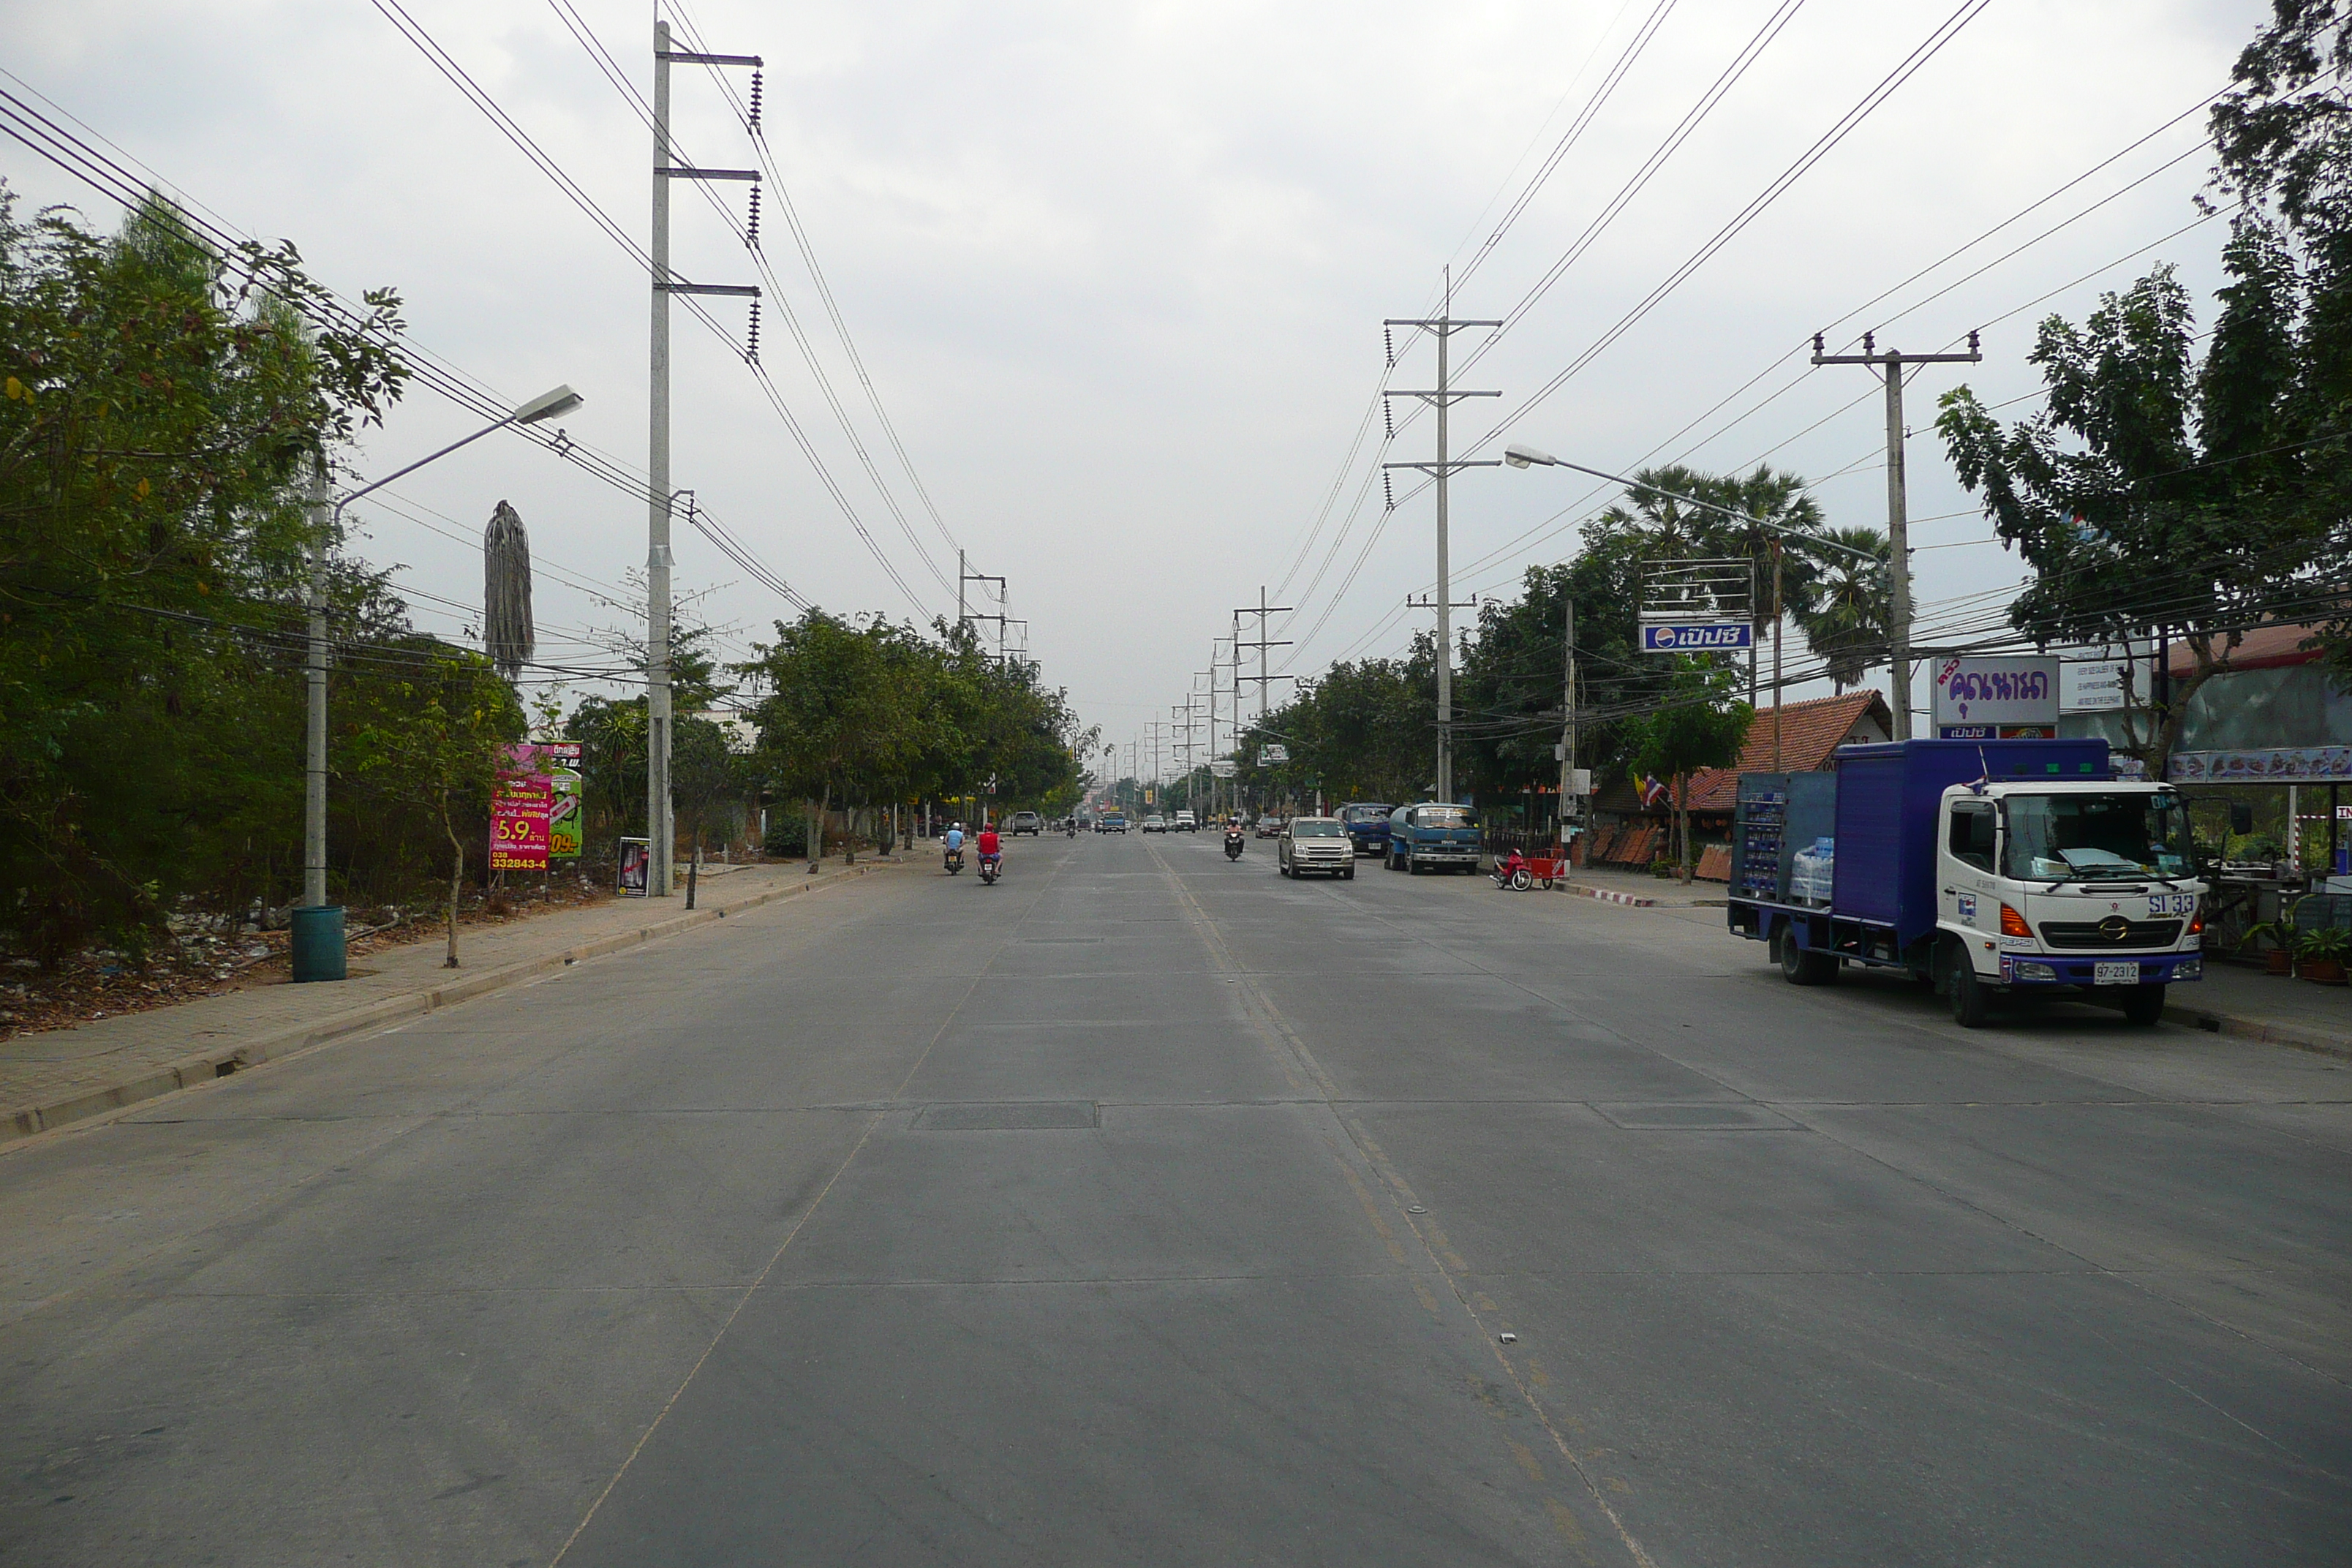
x=2272 y=1033
x=221 y=1061
x=1610 y=896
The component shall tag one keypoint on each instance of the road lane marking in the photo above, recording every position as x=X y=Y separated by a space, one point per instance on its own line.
x=1442 y=1259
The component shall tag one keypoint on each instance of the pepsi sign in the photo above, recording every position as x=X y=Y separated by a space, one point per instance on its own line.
x=1707 y=637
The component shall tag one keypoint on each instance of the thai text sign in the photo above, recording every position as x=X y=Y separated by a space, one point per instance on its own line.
x=564 y=817
x=1710 y=637
x=1273 y=756
x=519 y=806
x=1971 y=693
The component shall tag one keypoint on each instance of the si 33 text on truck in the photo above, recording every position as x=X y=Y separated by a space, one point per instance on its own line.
x=1994 y=868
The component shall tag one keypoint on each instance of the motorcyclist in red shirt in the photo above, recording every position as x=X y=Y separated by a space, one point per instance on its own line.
x=988 y=850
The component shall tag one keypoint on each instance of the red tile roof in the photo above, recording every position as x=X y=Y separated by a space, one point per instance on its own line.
x=1811 y=733
x=2259 y=648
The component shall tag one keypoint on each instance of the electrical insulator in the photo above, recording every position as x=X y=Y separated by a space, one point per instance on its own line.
x=1388 y=490
x=752 y=229
x=1388 y=418
x=755 y=103
x=1388 y=342
x=751 y=342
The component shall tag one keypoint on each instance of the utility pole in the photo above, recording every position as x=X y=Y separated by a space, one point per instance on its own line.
x=660 y=826
x=1568 y=716
x=1260 y=610
x=965 y=574
x=1442 y=399
x=314 y=675
x=1898 y=532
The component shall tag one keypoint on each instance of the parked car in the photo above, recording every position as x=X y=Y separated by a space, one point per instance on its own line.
x=1315 y=844
x=1367 y=822
x=1185 y=822
x=1433 y=836
x=1155 y=822
x=1027 y=822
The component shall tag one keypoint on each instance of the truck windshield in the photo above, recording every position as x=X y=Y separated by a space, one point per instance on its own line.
x=2085 y=837
x=1447 y=817
x=1315 y=830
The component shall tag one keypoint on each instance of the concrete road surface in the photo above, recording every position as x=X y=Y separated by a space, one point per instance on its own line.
x=1145 y=1209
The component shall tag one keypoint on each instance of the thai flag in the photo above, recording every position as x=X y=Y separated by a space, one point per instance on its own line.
x=1653 y=791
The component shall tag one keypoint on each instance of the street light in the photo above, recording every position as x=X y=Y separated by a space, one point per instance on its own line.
x=318 y=939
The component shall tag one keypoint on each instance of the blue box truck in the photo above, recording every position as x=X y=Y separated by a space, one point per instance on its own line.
x=1984 y=867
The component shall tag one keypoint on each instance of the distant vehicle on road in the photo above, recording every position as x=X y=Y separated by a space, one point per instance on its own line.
x=1315 y=844
x=1185 y=822
x=1269 y=826
x=1155 y=822
x=1367 y=822
x=1027 y=822
x=1433 y=836
x=1111 y=822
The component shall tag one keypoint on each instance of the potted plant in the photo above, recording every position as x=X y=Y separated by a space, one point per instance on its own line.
x=2319 y=955
x=2279 y=956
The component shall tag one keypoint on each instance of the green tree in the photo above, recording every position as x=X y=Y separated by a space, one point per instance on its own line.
x=2146 y=496
x=163 y=406
x=440 y=738
x=1700 y=724
x=1847 y=614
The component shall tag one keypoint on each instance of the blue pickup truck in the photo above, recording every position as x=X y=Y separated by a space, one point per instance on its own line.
x=1367 y=822
x=1433 y=836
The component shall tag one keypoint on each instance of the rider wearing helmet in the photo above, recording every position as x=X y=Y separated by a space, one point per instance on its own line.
x=955 y=836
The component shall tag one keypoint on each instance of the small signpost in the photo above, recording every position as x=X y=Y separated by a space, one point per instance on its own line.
x=1271 y=756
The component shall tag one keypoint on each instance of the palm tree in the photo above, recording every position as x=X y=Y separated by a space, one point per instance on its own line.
x=1846 y=618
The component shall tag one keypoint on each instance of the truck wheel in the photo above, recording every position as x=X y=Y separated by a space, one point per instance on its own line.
x=2144 y=1006
x=1800 y=966
x=1966 y=993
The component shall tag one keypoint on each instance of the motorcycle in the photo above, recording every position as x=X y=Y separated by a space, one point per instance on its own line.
x=991 y=866
x=1519 y=880
x=1072 y=827
x=954 y=861
x=1232 y=843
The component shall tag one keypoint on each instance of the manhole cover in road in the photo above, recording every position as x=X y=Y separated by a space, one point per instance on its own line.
x=1687 y=1118
x=1020 y=1116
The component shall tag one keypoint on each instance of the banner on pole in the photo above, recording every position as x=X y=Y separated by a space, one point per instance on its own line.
x=520 y=804
x=566 y=819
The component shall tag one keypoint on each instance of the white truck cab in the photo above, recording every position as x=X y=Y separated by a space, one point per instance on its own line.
x=2068 y=883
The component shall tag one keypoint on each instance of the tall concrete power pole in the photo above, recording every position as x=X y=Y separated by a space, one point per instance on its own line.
x=660 y=500
x=1442 y=398
x=1899 y=526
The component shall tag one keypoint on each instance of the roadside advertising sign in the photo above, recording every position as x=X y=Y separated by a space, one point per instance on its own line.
x=1698 y=637
x=1273 y=756
x=1995 y=699
x=566 y=820
x=519 y=808
x=2096 y=684
x=1223 y=768
x=636 y=861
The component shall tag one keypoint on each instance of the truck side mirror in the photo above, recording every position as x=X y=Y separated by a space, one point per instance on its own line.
x=2242 y=817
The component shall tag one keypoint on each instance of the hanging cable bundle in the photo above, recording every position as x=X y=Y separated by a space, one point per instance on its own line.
x=507 y=633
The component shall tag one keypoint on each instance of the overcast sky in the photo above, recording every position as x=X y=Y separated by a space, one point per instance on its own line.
x=1117 y=273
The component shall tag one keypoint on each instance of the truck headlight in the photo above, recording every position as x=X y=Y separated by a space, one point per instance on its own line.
x=2026 y=969
x=2189 y=969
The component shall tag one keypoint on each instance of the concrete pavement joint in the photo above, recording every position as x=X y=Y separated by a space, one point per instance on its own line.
x=898 y=1101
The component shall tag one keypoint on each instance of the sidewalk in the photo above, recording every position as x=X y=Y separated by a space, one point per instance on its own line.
x=1614 y=885
x=63 y=1074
